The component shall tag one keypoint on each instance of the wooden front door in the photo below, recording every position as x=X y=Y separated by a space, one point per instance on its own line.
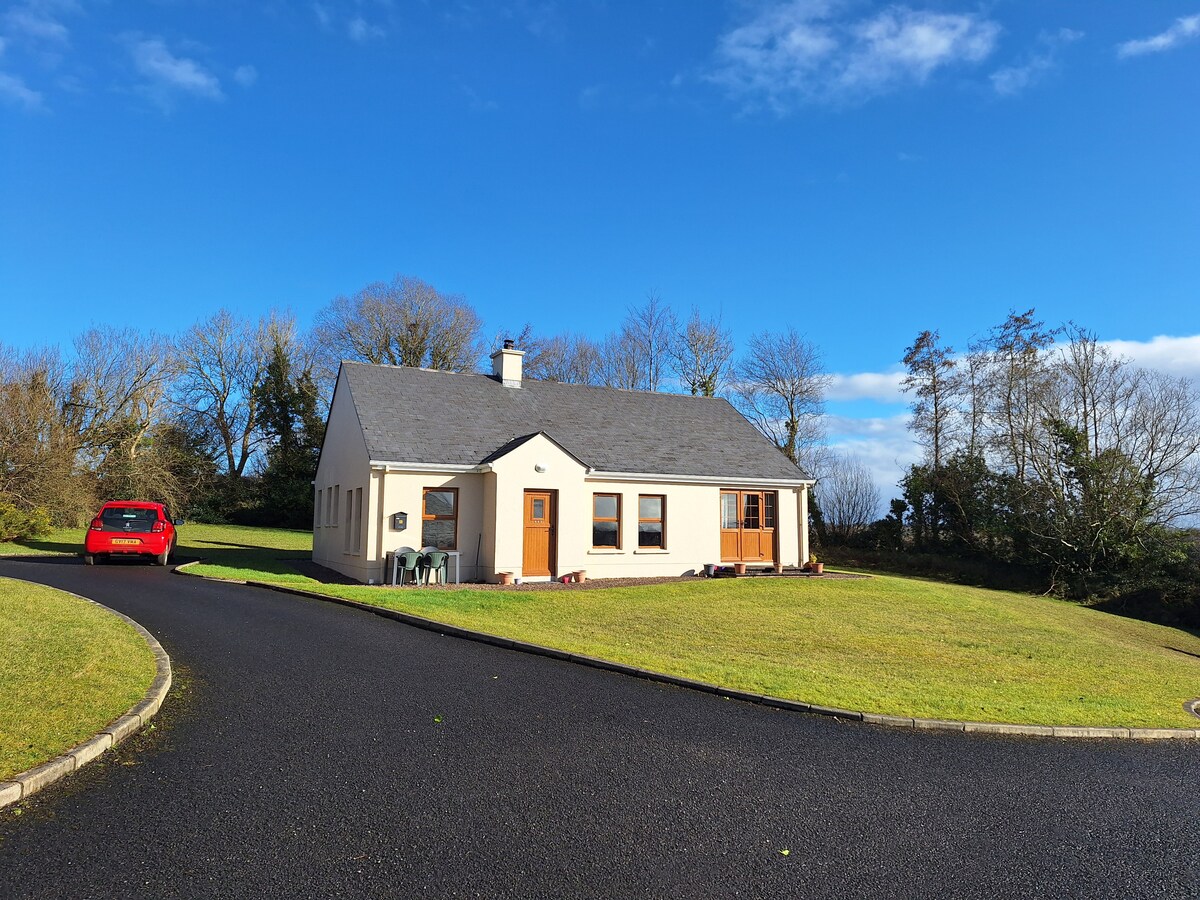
x=539 y=534
x=748 y=526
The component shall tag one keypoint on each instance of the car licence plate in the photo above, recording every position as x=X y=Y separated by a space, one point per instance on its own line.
x=126 y=541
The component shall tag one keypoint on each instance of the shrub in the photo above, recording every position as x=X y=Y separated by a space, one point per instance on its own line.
x=19 y=524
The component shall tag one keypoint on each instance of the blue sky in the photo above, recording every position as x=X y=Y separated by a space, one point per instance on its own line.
x=861 y=171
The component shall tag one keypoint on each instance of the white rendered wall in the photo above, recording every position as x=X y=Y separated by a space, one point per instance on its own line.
x=345 y=466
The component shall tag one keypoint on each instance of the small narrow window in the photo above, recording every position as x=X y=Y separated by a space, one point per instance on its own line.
x=769 y=509
x=439 y=518
x=357 y=543
x=652 y=510
x=606 y=521
x=317 y=511
x=348 y=539
x=729 y=511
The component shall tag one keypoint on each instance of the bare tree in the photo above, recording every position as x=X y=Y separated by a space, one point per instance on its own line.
x=404 y=323
x=118 y=390
x=569 y=358
x=221 y=360
x=621 y=364
x=782 y=389
x=1016 y=383
x=38 y=451
x=933 y=378
x=646 y=337
x=848 y=496
x=702 y=354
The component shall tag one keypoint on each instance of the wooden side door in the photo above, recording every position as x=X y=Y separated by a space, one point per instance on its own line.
x=538 y=558
x=748 y=526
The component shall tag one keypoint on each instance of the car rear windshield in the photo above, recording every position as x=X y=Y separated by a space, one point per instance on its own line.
x=128 y=518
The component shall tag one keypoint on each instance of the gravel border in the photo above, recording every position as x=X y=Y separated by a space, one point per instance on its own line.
x=27 y=783
x=849 y=715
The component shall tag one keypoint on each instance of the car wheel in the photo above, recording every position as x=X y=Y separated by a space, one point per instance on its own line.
x=89 y=559
x=162 y=558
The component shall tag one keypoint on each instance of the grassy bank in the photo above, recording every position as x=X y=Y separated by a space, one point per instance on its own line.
x=67 y=669
x=885 y=644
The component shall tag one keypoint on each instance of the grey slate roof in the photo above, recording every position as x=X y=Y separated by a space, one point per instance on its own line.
x=413 y=415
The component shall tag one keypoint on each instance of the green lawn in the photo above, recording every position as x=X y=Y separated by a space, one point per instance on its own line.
x=886 y=644
x=67 y=669
x=252 y=552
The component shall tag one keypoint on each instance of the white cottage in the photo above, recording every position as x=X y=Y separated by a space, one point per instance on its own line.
x=538 y=478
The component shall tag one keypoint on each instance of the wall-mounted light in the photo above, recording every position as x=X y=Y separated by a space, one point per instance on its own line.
x=539 y=467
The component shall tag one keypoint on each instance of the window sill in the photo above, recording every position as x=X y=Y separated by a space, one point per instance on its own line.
x=606 y=552
x=652 y=551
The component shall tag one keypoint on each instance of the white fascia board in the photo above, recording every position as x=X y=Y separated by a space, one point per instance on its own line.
x=734 y=481
x=381 y=466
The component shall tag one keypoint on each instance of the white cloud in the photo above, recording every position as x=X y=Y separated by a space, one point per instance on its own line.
x=883 y=387
x=1178 y=356
x=35 y=21
x=324 y=17
x=884 y=445
x=807 y=51
x=245 y=75
x=14 y=90
x=166 y=73
x=1012 y=80
x=359 y=29
x=1180 y=32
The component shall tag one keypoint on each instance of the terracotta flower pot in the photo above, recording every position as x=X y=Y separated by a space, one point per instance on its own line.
x=581 y=576
x=739 y=568
x=505 y=577
x=819 y=568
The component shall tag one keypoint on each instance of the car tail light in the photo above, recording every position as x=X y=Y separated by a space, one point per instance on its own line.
x=158 y=526
x=96 y=525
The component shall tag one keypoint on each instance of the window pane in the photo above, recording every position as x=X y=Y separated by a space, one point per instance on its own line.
x=768 y=510
x=606 y=506
x=604 y=534
x=750 y=511
x=439 y=503
x=650 y=534
x=650 y=507
x=729 y=511
x=539 y=509
x=438 y=533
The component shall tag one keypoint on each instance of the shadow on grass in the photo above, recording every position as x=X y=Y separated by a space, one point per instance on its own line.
x=73 y=547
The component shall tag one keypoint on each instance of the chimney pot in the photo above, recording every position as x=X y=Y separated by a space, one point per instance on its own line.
x=508 y=343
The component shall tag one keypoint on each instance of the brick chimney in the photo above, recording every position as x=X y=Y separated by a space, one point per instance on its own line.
x=506 y=364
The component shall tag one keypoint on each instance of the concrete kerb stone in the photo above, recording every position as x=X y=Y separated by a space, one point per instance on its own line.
x=1003 y=728
x=87 y=751
x=27 y=783
x=10 y=792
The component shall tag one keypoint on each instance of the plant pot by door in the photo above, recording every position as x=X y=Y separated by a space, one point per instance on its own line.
x=505 y=577
x=739 y=568
x=819 y=568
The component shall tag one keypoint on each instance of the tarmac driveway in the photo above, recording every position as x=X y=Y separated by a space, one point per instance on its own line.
x=311 y=750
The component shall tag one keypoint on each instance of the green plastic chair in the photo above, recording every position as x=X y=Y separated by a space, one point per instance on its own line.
x=410 y=561
x=435 y=561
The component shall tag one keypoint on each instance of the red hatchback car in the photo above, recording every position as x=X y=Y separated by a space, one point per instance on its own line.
x=131 y=528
